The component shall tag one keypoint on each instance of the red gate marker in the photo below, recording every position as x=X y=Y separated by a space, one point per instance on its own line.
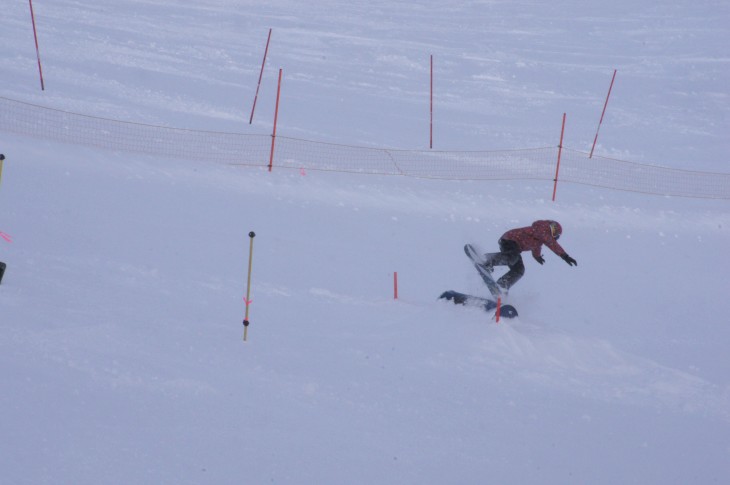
x=261 y=74
x=560 y=151
x=602 y=113
x=431 y=124
x=276 y=117
x=37 y=50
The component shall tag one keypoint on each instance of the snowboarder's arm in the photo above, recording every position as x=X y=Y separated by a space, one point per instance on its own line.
x=569 y=260
x=558 y=249
x=554 y=246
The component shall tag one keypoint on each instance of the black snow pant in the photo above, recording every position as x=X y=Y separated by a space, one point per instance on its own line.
x=508 y=255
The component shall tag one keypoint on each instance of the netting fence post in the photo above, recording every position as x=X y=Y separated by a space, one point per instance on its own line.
x=602 y=113
x=37 y=50
x=276 y=116
x=261 y=74
x=560 y=150
x=430 y=143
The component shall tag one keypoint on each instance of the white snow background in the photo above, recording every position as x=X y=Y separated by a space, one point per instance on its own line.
x=121 y=351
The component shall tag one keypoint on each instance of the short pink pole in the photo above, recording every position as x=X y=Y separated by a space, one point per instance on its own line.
x=261 y=74
x=602 y=113
x=560 y=150
x=37 y=50
x=276 y=117
x=395 y=285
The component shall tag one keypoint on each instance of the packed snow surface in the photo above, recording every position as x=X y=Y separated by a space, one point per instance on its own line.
x=122 y=358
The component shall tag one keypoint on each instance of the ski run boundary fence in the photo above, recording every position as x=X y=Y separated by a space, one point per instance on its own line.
x=291 y=153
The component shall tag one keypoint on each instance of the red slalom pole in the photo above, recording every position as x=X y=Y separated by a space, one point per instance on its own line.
x=276 y=116
x=395 y=285
x=560 y=150
x=261 y=74
x=37 y=50
x=602 y=113
x=499 y=309
x=431 y=124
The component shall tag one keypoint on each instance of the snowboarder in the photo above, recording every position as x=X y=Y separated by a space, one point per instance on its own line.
x=531 y=238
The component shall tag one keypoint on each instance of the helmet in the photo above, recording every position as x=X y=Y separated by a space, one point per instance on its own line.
x=555 y=229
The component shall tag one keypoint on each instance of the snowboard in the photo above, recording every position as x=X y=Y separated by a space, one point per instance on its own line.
x=477 y=259
x=489 y=304
x=506 y=311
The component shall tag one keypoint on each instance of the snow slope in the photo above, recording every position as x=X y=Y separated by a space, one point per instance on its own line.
x=122 y=358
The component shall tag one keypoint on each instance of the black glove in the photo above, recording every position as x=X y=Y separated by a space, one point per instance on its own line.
x=539 y=258
x=569 y=260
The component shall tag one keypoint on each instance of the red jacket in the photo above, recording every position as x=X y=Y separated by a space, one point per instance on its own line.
x=532 y=238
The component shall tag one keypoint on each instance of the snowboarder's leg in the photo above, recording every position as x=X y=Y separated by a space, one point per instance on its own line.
x=515 y=272
x=2 y=271
x=490 y=261
x=508 y=255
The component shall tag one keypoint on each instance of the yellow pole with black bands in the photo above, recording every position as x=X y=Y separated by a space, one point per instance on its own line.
x=251 y=235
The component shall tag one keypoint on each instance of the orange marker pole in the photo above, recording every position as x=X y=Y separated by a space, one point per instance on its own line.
x=261 y=74
x=276 y=117
x=560 y=151
x=430 y=143
x=37 y=50
x=595 y=139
